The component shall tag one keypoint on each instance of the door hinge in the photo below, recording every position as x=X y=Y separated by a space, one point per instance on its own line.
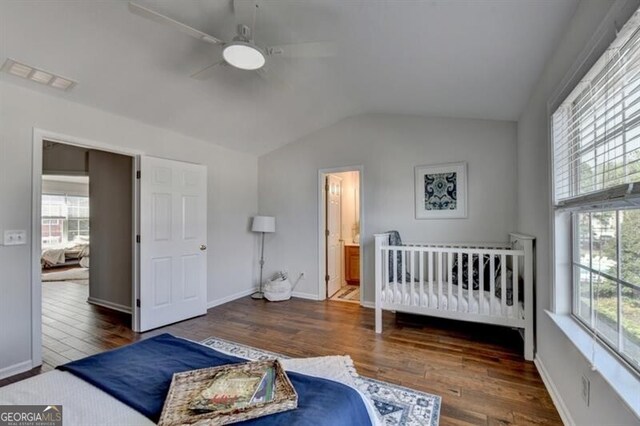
x=137 y=238
x=138 y=303
x=326 y=232
x=138 y=174
x=327 y=278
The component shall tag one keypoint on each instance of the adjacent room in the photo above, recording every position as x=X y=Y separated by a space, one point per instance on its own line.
x=320 y=212
x=341 y=228
x=86 y=201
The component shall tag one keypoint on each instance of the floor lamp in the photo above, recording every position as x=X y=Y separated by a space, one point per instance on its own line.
x=262 y=224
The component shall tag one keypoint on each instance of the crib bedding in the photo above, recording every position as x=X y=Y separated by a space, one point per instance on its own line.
x=392 y=293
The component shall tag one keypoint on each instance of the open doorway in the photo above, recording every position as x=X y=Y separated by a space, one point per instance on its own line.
x=341 y=228
x=87 y=255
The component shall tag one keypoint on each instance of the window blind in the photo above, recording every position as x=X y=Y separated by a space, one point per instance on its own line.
x=596 y=130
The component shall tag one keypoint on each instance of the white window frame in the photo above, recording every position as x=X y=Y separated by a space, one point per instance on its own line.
x=609 y=367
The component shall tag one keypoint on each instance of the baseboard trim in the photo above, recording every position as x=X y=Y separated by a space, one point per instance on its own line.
x=14 y=369
x=308 y=296
x=553 y=391
x=232 y=297
x=109 y=305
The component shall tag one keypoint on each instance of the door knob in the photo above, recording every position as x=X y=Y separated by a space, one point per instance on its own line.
x=203 y=247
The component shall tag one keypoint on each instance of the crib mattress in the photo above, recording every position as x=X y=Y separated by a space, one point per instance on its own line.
x=440 y=301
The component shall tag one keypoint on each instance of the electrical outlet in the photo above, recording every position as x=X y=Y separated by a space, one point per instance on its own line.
x=586 y=389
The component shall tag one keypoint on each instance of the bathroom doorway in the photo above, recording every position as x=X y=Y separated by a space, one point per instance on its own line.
x=341 y=227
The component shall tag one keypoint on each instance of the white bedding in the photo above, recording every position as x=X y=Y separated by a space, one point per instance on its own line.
x=437 y=300
x=83 y=404
x=57 y=255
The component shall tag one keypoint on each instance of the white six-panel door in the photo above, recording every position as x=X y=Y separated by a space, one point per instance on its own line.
x=334 y=248
x=173 y=231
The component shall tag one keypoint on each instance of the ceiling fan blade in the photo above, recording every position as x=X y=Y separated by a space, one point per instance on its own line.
x=207 y=72
x=317 y=49
x=157 y=17
x=273 y=79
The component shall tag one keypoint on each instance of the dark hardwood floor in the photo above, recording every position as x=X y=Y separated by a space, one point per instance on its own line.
x=478 y=370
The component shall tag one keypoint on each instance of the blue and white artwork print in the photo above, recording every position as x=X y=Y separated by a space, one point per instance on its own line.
x=441 y=191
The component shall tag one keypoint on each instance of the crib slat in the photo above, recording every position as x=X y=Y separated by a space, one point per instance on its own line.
x=431 y=277
x=412 y=274
x=421 y=276
x=403 y=265
x=492 y=283
x=385 y=278
x=470 y=282
x=439 y=272
x=450 y=278
x=460 y=280
x=514 y=301
x=481 y=283
x=503 y=285
x=394 y=274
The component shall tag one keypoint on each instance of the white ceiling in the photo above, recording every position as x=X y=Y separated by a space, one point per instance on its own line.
x=453 y=58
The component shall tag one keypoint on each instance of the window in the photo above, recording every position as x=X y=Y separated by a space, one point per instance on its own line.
x=606 y=275
x=596 y=167
x=64 y=219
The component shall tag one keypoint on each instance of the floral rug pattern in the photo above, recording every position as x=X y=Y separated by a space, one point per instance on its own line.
x=397 y=405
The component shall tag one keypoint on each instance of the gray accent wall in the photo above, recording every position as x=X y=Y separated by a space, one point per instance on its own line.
x=111 y=228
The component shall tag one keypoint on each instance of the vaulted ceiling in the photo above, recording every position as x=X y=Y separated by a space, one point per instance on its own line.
x=453 y=58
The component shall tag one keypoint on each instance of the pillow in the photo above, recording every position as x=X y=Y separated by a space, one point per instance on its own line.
x=486 y=271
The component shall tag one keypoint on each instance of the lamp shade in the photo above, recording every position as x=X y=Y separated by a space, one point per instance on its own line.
x=264 y=224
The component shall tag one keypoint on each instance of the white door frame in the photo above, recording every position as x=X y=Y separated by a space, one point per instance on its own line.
x=322 y=289
x=39 y=136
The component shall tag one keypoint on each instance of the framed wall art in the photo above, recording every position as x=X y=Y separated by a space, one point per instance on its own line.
x=441 y=191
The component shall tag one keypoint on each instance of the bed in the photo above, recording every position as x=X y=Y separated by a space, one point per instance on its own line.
x=462 y=281
x=73 y=253
x=127 y=387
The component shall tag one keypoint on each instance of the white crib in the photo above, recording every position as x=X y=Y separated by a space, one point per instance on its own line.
x=427 y=284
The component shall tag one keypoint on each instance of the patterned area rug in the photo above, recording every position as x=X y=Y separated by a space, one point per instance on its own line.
x=348 y=293
x=397 y=405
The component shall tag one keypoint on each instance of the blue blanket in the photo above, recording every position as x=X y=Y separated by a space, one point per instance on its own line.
x=139 y=375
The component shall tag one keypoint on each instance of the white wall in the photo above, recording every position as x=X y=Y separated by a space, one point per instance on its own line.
x=388 y=146
x=232 y=190
x=558 y=355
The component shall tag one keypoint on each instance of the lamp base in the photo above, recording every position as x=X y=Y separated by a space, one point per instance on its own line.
x=257 y=295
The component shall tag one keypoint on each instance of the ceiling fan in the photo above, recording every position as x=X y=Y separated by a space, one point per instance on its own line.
x=241 y=52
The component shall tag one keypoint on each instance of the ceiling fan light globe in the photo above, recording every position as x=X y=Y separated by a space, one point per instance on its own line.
x=243 y=55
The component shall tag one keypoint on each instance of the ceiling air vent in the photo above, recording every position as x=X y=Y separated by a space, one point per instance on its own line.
x=39 y=76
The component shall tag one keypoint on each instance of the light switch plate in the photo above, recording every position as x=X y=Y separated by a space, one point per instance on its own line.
x=15 y=237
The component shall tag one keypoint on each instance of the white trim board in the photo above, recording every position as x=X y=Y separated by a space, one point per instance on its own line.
x=553 y=392
x=308 y=296
x=109 y=305
x=368 y=305
x=18 y=368
x=232 y=297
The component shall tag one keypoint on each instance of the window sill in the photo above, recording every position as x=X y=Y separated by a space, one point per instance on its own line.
x=621 y=380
